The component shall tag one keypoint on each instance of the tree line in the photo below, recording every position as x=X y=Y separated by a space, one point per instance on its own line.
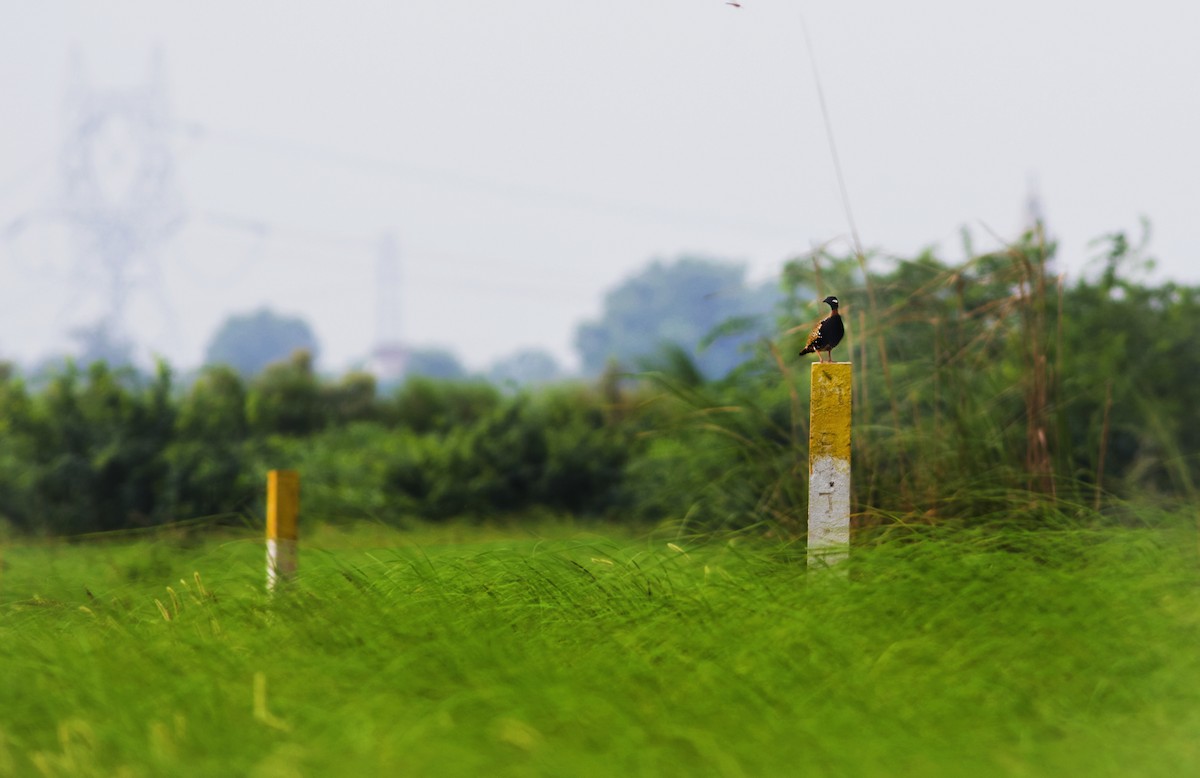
x=991 y=387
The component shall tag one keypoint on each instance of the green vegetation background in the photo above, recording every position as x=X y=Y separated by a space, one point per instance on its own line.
x=982 y=388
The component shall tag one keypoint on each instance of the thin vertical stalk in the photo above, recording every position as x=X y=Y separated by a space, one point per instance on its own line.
x=1103 y=444
x=864 y=443
x=1032 y=304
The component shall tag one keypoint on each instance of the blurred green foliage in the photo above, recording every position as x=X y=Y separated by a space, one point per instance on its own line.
x=990 y=387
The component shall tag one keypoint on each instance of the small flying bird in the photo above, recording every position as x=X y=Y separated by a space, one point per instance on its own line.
x=828 y=332
x=735 y=5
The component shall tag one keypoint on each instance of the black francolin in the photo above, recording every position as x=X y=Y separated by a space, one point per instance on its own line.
x=828 y=332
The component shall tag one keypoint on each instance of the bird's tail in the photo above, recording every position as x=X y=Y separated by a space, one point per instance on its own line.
x=807 y=350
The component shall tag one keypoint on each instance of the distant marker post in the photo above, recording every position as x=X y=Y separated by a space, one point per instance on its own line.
x=283 y=511
x=829 y=464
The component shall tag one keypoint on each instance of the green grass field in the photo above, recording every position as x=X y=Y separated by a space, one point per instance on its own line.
x=472 y=652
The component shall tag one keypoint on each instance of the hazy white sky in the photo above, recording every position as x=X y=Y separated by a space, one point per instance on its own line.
x=528 y=155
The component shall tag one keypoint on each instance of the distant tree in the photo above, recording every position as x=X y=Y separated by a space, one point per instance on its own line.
x=206 y=459
x=680 y=303
x=353 y=398
x=97 y=457
x=285 y=398
x=250 y=342
x=214 y=408
x=434 y=363
x=17 y=449
x=527 y=366
x=426 y=405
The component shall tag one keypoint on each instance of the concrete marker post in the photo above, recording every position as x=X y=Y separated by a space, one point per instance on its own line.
x=829 y=464
x=283 y=511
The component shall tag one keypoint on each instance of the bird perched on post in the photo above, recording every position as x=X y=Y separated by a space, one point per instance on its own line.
x=828 y=332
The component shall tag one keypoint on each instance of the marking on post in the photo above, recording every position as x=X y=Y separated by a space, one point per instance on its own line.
x=283 y=513
x=829 y=463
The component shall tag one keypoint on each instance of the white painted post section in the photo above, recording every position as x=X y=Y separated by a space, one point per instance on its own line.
x=829 y=464
x=283 y=510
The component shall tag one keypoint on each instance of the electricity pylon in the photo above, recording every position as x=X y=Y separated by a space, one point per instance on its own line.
x=119 y=191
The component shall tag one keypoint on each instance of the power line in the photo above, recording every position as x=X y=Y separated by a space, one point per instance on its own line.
x=540 y=195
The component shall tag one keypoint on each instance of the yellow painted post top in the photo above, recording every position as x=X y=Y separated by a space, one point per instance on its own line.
x=283 y=504
x=829 y=413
